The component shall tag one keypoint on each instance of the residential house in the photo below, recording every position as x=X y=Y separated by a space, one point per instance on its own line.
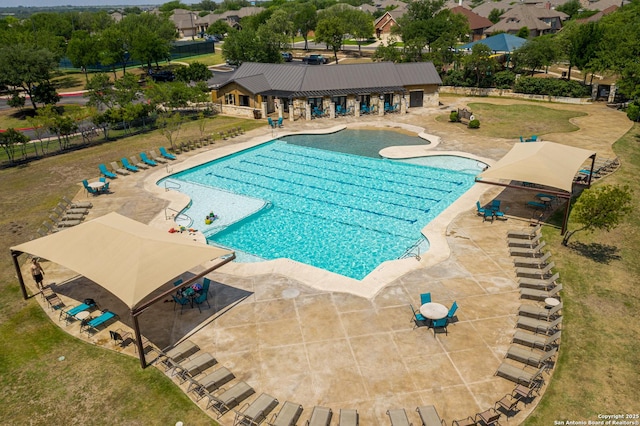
x=295 y=91
x=185 y=22
x=477 y=24
x=388 y=20
x=537 y=20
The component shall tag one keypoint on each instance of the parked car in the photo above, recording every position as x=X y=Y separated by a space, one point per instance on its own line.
x=165 y=75
x=314 y=60
x=287 y=56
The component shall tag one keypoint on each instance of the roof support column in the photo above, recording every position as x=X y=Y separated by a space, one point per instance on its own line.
x=16 y=264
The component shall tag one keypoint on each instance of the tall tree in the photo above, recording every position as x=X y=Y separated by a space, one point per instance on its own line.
x=82 y=51
x=579 y=43
x=304 y=20
x=360 y=25
x=537 y=53
x=26 y=67
x=150 y=37
x=480 y=63
x=331 y=29
x=10 y=139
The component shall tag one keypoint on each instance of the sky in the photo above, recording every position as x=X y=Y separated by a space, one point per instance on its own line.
x=45 y=3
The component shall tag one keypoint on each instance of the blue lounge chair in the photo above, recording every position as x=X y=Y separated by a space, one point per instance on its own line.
x=105 y=172
x=271 y=123
x=280 y=120
x=165 y=154
x=92 y=325
x=425 y=298
x=129 y=166
x=317 y=112
x=340 y=110
x=537 y=205
x=364 y=109
x=147 y=160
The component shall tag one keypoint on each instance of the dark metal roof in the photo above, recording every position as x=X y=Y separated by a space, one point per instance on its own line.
x=320 y=80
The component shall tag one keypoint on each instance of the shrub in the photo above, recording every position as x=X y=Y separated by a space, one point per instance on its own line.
x=633 y=112
x=504 y=79
x=474 y=124
x=455 y=78
x=551 y=87
x=454 y=117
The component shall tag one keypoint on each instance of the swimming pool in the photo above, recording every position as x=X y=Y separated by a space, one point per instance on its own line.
x=340 y=212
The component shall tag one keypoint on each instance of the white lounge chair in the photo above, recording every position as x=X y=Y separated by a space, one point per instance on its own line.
x=536 y=272
x=320 y=416
x=530 y=293
x=535 y=340
x=534 y=311
x=538 y=283
x=255 y=413
x=119 y=170
x=519 y=375
x=228 y=399
x=524 y=233
x=398 y=417
x=287 y=416
x=528 y=252
x=429 y=416
x=538 y=326
x=522 y=242
x=531 y=357
x=193 y=367
x=532 y=262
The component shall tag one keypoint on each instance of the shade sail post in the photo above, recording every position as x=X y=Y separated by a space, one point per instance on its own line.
x=565 y=220
x=16 y=264
x=136 y=330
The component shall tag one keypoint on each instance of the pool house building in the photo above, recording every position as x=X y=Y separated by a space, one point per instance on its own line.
x=294 y=92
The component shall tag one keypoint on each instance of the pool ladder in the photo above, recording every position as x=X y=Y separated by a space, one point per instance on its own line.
x=167 y=187
x=414 y=252
x=177 y=214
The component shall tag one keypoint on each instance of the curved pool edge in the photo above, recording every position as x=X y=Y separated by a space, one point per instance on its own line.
x=309 y=275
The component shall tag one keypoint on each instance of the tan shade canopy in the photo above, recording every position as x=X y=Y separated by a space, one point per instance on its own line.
x=127 y=258
x=544 y=163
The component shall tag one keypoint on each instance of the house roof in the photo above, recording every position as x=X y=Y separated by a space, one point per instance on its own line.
x=288 y=80
x=498 y=43
x=476 y=21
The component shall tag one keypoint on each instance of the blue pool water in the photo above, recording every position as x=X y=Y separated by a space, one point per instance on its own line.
x=336 y=211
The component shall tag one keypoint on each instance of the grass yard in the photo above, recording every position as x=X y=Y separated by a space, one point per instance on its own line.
x=600 y=351
x=498 y=121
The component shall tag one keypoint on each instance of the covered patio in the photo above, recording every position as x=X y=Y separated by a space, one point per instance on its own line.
x=130 y=260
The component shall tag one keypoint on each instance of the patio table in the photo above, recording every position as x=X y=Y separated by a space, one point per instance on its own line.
x=434 y=311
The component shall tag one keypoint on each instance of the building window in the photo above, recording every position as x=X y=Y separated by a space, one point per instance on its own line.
x=364 y=100
x=230 y=99
x=315 y=103
x=244 y=100
x=340 y=101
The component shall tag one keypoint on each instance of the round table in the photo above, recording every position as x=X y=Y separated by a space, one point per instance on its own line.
x=545 y=200
x=434 y=311
x=83 y=315
x=97 y=185
x=551 y=302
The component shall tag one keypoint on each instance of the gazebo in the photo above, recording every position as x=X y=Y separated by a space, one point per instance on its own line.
x=544 y=163
x=127 y=258
x=499 y=43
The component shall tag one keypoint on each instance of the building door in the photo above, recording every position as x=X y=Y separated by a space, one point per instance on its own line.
x=416 y=99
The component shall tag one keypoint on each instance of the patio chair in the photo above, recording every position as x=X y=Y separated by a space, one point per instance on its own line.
x=440 y=323
x=418 y=319
x=532 y=262
x=256 y=412
x=92 y=326
x=120 y=336
x=202 y=298
x=147 y=160
x=452 y=310
x=530 y=252
x=398 y=417
x=541 y=273
x=524 y=242
x=120 y=170
x=280 y=122
x=495 y=205
x=521 y=139
x=128 y=166
x=526 y=393
x=320 y=416
x=105 y=188
x=340 y=110
x=539 y=326
x=157 y=157
x=525 y=233
x=89 y=189
x=271 y=123
x=165 y=154
x=489 y=417
x=537 y=205
x=534 y=311
x=287 y=416
x=229 y=399
x=210 y=382
x=501 y=214
x=364 y=109
x=508 y=404
x=530 y=356
x=425 y=298
x=519 y=375
x=349 y=417
x=536 y=340
x=429 y=416
x=182 y=301
x=105 y=172
x=192 y=367
x=485 y=213
x=530 y=293
x=76 y=204
x=139 y=164
x=538 y=283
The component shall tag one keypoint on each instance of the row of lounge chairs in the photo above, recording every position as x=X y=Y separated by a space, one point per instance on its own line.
x=66 y=214
x=535 y=342
x=600 y=169
x=233 y=132
x=133 y=164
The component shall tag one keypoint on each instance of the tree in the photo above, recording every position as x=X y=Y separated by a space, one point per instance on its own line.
x=494 y=15
x=100 y=91
x=169 y=7
x=536 y=53
x=480 y=63
x=149 y=37
x=601 y=207
x=194 y=72
x=45 y=93
x=114 y=48
x=220 y=27
x=275 y=33
x=387 y=52
x=9 y=139
x=523 y=33
x=169 y=125
x=304 y=20
x=571 y=8
x=360 y=25
x=579 y=43
x=82 y=51
x=26 y=67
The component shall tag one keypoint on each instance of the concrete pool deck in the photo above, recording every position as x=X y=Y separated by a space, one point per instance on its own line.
x=293 y=332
